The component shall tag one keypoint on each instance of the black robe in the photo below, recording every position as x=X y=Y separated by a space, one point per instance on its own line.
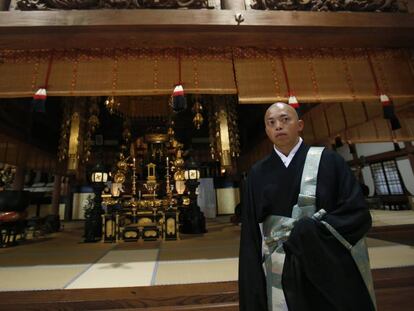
x=319 y=273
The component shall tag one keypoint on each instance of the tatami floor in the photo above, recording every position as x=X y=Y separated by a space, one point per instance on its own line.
x=62 y=261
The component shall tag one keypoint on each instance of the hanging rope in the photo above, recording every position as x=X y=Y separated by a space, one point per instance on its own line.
x=293 y=102
x=387 y=106
x=178 y=100
x=374 y=76
x=179 y=66
x=49 y=69
x=282 y=60
x=39 y=98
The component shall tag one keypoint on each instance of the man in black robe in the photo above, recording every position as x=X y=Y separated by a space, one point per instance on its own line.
x=318 y=273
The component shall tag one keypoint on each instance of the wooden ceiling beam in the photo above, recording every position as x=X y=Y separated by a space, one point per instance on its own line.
x=202 y=28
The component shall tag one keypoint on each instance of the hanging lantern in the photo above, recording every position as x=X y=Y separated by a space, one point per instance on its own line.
x=198 y=117
x=224 y=136
x=73 y=157
x=112 y=104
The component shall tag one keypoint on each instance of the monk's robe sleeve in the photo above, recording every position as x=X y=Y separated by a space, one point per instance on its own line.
x=252 y=283
x=350 y=215
x=319 y=272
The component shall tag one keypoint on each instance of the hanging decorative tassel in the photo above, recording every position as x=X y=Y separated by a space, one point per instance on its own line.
x=396 y=145
x=39 y=98
x=338 y=141
x=389 y=114
x=178 y=100
x=387 y=107
x=386 y=103
x=292 y=101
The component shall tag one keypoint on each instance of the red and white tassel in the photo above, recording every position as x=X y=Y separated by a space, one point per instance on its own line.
x=39 y=100
x=178 y=99
x=293 y=102
x=389 y=114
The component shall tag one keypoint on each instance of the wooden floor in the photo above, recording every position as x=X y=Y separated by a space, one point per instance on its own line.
x=403 y=234
x=394 y=290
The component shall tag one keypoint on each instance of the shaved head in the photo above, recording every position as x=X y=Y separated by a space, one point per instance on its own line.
x=280 y=105
x=283 y=126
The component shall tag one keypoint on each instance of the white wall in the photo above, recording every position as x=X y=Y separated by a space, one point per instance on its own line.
x=373 y=148
x=369 y=149
x=407 y=175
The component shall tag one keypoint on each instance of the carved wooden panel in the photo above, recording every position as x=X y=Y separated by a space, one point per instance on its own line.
x=31 y=5
x=330 y=5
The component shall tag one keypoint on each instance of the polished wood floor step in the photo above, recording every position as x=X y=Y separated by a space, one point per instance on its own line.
x=403 y=234
x=394 y=289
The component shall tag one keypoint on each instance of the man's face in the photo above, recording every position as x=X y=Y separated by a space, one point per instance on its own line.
x=282 y=125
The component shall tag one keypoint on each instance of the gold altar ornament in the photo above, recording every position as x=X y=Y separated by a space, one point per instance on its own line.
x=112 y=104
x=73 y=157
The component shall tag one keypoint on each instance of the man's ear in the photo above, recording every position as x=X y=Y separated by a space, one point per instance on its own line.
x=301 y=125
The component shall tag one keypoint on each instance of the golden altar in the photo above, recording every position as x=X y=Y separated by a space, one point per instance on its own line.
x=132 y=220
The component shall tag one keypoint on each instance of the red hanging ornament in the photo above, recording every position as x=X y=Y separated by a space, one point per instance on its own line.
x=39 y=98
x=292 y=100
x=178 y=100
x=386 y=103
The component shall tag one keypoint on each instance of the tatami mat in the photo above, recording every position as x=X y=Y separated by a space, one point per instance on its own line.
x=197 y=271
x=391 y=218
x=38 y=277
x=119 y=268
x=62 y=260
x=385 y=254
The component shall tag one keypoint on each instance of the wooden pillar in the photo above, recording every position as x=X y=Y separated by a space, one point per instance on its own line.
x=4 y=5
x=232 y=5
x=410 y=6
x=21 y=165
x=410 y=149
x=18 y=183
x=56 y=194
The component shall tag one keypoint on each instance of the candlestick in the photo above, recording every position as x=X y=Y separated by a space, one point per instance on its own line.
x=134 y=185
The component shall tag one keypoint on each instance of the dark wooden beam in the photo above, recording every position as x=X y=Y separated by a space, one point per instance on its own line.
x=386 y=156
x=202 y=28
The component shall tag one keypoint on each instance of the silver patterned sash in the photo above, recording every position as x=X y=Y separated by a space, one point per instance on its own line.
x=276 y=230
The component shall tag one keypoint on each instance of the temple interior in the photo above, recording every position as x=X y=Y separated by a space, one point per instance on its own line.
x=128 y=130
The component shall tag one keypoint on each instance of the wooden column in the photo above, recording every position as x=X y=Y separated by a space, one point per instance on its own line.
x=410 y=6
x=18 y=183
x=233 y=5
x=22 y=156
x=4 y=5
x=410 y=148
x=56 y=194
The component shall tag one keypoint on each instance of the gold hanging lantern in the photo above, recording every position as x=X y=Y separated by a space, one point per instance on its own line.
x=198 y=117
x=112 y=104
x=73 y=157
x=223 y=134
